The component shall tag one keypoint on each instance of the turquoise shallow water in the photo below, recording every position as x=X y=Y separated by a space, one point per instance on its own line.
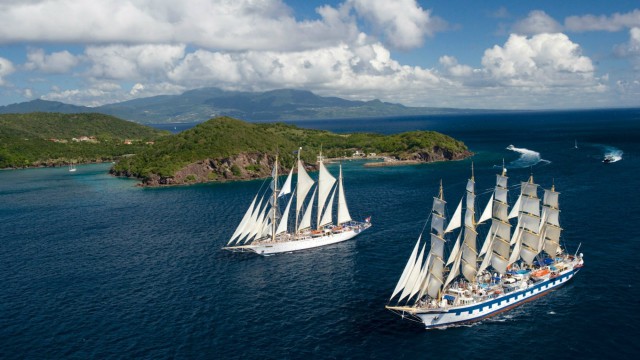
x=93 y=267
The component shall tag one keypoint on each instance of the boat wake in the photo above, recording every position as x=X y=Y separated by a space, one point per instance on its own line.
x=527 y=158
x=612 y=154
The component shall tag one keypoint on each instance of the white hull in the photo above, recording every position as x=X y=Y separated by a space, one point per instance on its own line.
x=455 y=315
x=273 y=247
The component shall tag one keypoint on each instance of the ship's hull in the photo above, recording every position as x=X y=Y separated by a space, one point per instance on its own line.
x=269 y=247
x=439 y=318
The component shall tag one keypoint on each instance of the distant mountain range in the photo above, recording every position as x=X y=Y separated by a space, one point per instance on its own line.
x=202 y=104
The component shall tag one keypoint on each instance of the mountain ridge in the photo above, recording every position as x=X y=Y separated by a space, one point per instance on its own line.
x=199 y=105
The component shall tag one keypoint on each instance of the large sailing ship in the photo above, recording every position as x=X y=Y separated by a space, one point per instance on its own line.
x=265 y=230
x=511 y=268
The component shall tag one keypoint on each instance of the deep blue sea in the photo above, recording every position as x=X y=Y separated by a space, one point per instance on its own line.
x=93 y=267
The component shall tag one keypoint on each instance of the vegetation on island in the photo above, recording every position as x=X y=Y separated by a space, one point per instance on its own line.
x=229 y=149
x=53 y=139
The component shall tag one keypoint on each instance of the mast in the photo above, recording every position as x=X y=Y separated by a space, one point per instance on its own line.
x=527 y=240
x=435 y=264
x=550 y=232
x=302 y=189
x=497 y=246
x=275 y=199
x=325 y=184
x=343 y=210
x=469 y=246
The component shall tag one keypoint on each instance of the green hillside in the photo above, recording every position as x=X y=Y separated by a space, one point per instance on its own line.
x=47 y=139
x=221 y=140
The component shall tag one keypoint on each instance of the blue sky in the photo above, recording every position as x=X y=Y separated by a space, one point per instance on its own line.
x=446 y=53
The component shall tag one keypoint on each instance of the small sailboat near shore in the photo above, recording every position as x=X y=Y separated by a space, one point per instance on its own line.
x=510 y=269
x=265 y=230
x=72 y=167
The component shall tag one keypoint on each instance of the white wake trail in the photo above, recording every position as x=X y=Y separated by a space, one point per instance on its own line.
x=527 y=158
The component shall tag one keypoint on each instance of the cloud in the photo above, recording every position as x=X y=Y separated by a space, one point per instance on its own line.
x=451 y=65
x=540 y=61
x=54 y=63
x=213 y=24
x=631 y=49
x=122 y=62
x=6 y=68
x=537 y=22
x=403 y=23
x=615 y=22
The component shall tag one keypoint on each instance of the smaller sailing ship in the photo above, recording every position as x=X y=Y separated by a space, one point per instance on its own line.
x=509 y=270
x=72 y=167
x=266 y=230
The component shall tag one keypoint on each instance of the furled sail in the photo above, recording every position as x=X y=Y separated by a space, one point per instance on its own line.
x=343 y=210
x=325 y=184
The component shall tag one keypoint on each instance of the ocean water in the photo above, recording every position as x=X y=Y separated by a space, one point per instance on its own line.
x=92 y=266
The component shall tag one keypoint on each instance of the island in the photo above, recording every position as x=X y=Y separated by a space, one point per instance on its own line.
x=57 y=139
x=228 y=149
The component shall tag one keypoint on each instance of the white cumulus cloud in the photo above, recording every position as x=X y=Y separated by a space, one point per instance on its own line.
x=6 y=68
x=537 y=22
x=212 y=24
x=55 y=63
x=133 y=62
x=631 y=49
x=539 y=61
x=403 y=23
x=615 y=22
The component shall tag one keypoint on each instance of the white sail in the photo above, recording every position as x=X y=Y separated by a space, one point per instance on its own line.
x=551 y=198
x=343 y=210
x=436 y=272
x=244 y=221
x=407 y=269
x=327 y=217
x=530 y=205
x=419 y=281
x=469 y=245
x=456 y=219
x=286 y=187
x=304 y=185
x=455 y=271
x=516 y=208
x=258 y=223
x=455 y=250
x=550 y=231
x=486 y=214
x=306 y=218
x=454 y=258
x=282 y=226
x=415 y=273
x=325 y=183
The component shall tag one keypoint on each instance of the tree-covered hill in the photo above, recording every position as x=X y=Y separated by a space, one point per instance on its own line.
x=228 y=149
x=48 y=139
